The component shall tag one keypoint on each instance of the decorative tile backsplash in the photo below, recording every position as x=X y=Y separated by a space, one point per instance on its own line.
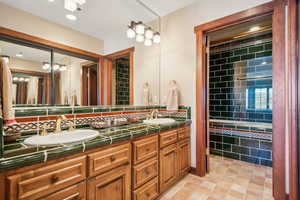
x=34 y=119
x=241 y=80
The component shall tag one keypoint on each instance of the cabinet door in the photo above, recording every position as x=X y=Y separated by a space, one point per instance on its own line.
x=184 y=157
x=112 y=185
x=168 y=166
x=75 y=192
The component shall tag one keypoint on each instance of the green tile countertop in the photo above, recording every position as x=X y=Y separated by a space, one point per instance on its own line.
x=17 y=155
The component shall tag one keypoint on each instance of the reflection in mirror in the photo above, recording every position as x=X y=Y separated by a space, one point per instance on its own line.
x=31 y=84
x=75 y=81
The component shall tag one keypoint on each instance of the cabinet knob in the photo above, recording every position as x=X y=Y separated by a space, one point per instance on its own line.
x=112 y=158
x=147 y=194
x=54 y=179
x=147 y=171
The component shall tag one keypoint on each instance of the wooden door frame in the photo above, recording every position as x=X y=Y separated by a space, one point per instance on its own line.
x=127 y=52
x=276 y=9
x=294 y=85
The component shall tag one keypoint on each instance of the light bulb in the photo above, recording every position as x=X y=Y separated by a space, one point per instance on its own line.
x=26 y=79
x=21 y=79
x=254 y=28
x=63 y=68
x=55 y=67
x=130 y=33
x=156 y=38
x=140 y=38
x=71 y=17
x=149 y=34
x=19 y=54
x=15 y=78
x=46 y=66
x=140 y=28
x=70 y=5
x=148 y=42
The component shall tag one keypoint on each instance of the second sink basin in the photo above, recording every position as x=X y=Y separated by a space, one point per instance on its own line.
x=159 y=121
x=65 y=137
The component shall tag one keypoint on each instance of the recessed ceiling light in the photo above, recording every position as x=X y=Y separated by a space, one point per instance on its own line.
x=51 y=0
x=19 y=54
x=71 y=17
x=254 y=28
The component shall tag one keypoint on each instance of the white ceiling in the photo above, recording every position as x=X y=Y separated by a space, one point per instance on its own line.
x=100 y=18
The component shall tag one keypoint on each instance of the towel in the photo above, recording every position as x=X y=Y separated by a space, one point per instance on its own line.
x=6 y=94
x=146 y=95
x=173 y=97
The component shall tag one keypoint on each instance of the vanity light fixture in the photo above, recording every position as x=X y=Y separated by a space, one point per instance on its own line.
x=254 y=28
x=21 y=79
x=56 y=67
x=63 y=68
x=20 y=55
x=142 y=33
x=26 y=79
x=71 y=17
x=15 y=78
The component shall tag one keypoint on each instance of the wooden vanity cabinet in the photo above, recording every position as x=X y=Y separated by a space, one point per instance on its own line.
x=175 y=156
x=141 y=169
x=75 y=192
x=112 y=185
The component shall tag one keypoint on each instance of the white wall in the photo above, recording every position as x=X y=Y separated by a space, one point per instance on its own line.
x=178 y=49
x=24 y=22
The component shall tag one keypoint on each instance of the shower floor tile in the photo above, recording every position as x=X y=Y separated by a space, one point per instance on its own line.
x=228 y=180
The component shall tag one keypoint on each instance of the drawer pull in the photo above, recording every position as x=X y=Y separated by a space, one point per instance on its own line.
x=147 y=171
x=112 y=158
x=147 y=194
x=54 y=179
x=147 y=149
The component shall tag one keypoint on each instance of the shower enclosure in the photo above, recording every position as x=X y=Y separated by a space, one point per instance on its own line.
x=240 y=97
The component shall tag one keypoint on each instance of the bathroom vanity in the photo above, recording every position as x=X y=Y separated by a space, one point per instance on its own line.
x=137 y=168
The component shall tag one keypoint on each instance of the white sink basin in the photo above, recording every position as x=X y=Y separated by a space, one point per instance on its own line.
x=65 y=137
x=159 y=121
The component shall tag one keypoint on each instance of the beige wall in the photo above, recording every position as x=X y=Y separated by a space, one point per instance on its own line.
x=178 y=49
x=24 y=22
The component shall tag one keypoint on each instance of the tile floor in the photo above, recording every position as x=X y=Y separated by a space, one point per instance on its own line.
x=228 y=180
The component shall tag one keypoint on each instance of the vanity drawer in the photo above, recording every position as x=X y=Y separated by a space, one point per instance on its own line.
x=75 y=192
x=149 y=191
x=107 y=159
x=145 y=148
x=144 y=172
x=167 y=138
x=184 y=132
x=46 y=180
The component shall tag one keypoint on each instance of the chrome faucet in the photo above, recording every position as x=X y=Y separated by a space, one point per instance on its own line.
x=59 y=121
x=154 y=114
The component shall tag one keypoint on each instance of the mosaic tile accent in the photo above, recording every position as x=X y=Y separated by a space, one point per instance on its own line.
x=242 y=146
x=231 y=95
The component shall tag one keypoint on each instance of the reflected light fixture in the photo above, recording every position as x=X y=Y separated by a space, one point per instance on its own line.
x=26 y=80
x=63 y=68
x=46 y=66
x=20 y=55
x=254 y=28
x=71 y=17
x=149 y=33
x=56 y=67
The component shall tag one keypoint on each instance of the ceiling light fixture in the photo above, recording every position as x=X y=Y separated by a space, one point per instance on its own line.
x=19 y=54
x=141 y=32
x=51 y=0
x=72 y=5
x=71 y=17
x=254 y=28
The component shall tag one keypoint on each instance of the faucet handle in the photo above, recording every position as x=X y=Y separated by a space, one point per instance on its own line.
x=44 y=131
x=71 y=126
